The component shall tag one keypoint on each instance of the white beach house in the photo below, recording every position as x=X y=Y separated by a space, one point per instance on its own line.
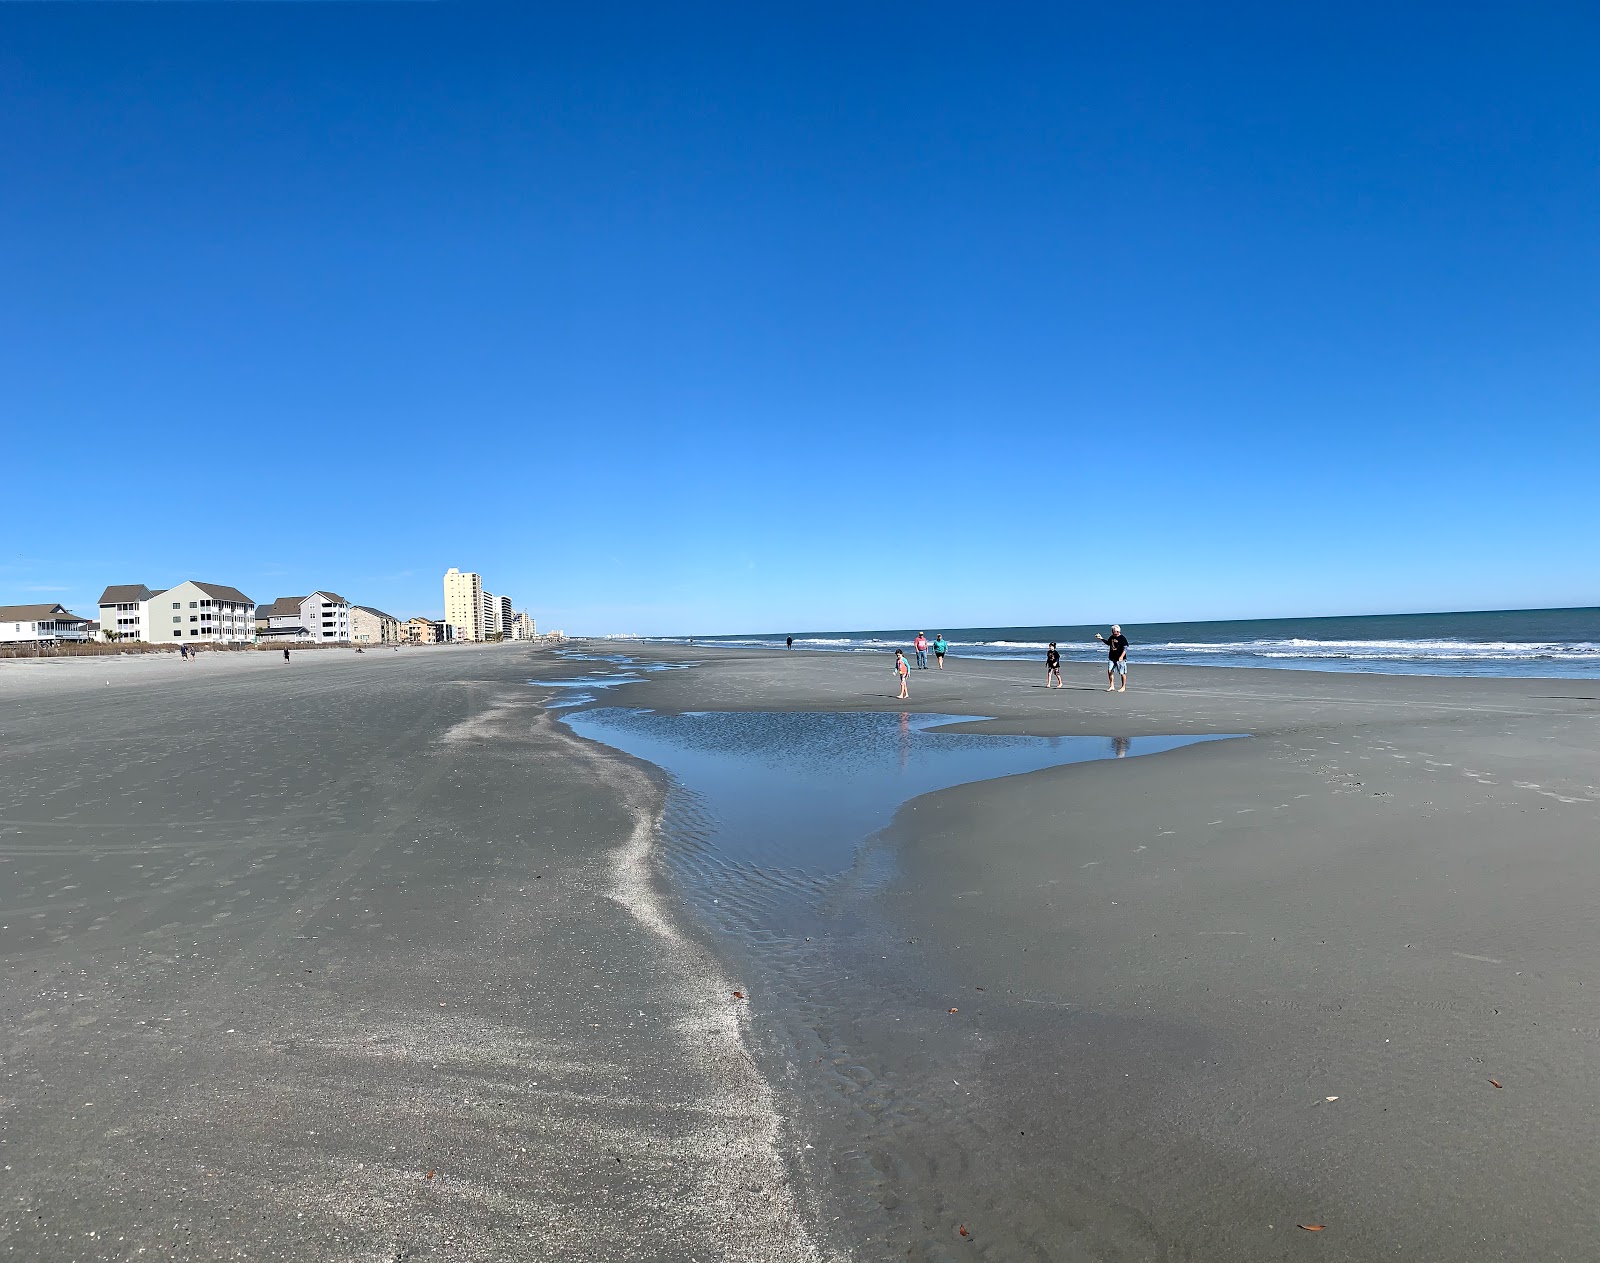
x=42 y=625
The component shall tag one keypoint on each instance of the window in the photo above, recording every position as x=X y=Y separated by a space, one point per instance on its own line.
x=177 y=605
x=177 y=631
x=194 y=618
x=193 y=632
x=177 y=618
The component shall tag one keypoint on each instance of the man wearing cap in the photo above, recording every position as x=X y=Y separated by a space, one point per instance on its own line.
x=1117 y=643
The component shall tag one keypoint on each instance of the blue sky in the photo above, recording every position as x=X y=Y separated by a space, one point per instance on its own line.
x=734 y=318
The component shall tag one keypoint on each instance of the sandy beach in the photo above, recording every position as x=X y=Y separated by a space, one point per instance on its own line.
x=373 y=957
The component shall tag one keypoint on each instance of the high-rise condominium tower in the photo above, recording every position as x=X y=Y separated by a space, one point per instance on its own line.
x=463 y=603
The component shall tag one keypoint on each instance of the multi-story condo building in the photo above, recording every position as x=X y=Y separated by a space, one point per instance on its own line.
x=206 y=613
x=125 y=612
x=523 y=627
x=322 y=617
x=428 y=631
x=373 y=627
x=506 y=614
x=491 y=616
x=42 y=624
x=202 y=613
x=464 y=604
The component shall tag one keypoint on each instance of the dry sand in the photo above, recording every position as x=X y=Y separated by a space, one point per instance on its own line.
x=280 y=941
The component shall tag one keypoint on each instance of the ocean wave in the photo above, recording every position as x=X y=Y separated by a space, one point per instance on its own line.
x=1399 y=649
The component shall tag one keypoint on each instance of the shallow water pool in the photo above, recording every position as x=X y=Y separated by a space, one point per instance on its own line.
x=804 y=789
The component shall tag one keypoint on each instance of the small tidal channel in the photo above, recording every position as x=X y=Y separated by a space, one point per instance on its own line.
x=768 y=835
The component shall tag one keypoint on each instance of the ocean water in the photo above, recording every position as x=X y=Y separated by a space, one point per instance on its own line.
x=1557 y=643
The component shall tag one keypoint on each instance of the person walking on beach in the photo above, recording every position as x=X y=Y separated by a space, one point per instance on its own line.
x=286 y=655
x=921 y=646
x=1052 y=667
x=1117 y=643
x=790 y=645
x=940 y=645
x=903 y=670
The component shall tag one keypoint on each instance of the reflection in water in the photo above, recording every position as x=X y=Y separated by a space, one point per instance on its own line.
x=805 y=789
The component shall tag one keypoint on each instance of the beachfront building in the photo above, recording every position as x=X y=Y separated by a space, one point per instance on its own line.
x=464 y=603
x=202 y=614
x=373 y=627
x=125 y=612
x=506 y=614
x=281 y=620
x=42 y=625
x=522 y=627
x=491 y=616
x=428 y=631
x=322 y=618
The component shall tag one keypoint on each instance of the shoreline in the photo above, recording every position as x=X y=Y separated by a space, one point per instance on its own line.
x=1580 y=660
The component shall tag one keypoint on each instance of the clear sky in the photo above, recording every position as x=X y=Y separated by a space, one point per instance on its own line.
x=694 y=318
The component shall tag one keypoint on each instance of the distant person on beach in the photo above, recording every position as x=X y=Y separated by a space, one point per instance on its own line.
x=940 y=646
x=286 y=655
x=903 y=670
x=1052 y=667
x=921 y=646
x=1117 y=643
x=790 y=645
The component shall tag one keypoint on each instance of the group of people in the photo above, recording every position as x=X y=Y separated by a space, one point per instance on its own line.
x=920 y=646
x=1116 y=644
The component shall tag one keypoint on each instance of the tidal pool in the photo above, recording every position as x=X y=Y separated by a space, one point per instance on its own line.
x=804 y=789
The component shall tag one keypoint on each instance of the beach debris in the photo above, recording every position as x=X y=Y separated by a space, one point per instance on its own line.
x=1311 y=1227
x=955 y=1010
x=430 y=1175
x=1330 y=1099
x=738 y=995
x=1497 y=1083
x=962 y=1229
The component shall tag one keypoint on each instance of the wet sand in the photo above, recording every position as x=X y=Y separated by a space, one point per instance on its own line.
x=281 y=941
x=1164 y=966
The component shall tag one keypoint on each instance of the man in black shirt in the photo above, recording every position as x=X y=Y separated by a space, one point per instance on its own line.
x=1117 y=643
